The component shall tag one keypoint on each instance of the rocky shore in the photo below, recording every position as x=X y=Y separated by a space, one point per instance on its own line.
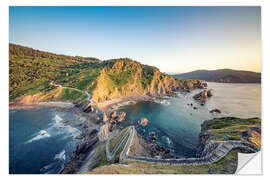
x=143 y=148
x=203 y=95
x=106 y=120
x=81 y=152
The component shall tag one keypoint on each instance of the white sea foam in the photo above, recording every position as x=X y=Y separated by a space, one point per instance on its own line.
x=71 y=131
x=167 y=140
x=58 y=120
x=66 y=129
x=163 y=101
x=61 y=155
x=41 y=135
x=47 y=168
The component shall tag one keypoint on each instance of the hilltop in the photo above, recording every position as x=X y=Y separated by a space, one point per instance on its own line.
x=222 y=75
x=36 y=76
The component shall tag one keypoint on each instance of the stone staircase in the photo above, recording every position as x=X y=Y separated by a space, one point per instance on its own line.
x=218 y=153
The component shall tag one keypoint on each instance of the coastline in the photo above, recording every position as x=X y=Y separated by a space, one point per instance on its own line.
x=114 y=104
x=57 y=104
x=60 y=105
x=91 y=144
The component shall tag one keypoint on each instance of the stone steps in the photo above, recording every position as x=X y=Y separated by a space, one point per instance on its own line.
x=222 y=150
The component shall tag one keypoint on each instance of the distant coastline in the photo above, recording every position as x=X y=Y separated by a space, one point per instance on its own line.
x=222 y=76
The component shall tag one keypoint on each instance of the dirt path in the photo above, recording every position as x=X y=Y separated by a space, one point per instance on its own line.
x=59 y=85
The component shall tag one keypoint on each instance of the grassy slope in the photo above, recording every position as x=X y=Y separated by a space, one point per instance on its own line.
x=230 y=127
x=226 y=165
x=31 y=72
x=71 y=94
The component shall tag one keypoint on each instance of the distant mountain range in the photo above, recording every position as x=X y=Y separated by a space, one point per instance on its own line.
x=222 y=75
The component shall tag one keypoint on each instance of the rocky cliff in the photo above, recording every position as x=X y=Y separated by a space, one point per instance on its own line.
x=42 y=76
x=124 y=77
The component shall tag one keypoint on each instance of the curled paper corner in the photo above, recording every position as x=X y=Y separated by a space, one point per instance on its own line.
x=249 y=164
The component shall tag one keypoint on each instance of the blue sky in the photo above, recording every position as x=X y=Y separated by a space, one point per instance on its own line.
x=174 y=39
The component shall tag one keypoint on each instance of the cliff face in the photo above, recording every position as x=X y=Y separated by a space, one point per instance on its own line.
x=124 y=77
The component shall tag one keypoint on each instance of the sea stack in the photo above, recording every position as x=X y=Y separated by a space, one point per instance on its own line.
x=144 y=121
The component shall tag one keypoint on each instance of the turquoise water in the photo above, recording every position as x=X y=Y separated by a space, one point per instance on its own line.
x=178 y=125
x=39 y=142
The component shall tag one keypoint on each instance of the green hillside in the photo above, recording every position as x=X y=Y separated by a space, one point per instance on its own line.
x=32 y=72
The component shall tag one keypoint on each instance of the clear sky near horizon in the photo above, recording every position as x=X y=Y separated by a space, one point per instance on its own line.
x=174 y=39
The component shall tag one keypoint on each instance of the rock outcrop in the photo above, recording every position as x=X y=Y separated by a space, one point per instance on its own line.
x=215 y=111
x=122 y=117
x=117 y=117
x=104 y=131
x=124 y=77
x=189 y=85
x=144 y=121
x=81 y=152
x=105 y=117
x=201 y=97
x=209 y=93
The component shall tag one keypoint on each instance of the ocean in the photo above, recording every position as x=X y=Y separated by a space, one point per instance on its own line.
x=39 y=141
x=177 y=125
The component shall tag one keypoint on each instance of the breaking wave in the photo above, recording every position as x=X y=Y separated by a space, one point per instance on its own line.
x=167 y=140
x=162 y=101
x=66 y=129
x=41 y=135
x=60 y=156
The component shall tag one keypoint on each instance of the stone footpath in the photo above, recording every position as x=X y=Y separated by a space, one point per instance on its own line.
x=109 y=155
x=221 y=151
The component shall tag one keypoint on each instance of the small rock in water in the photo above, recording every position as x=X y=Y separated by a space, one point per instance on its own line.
x=144 y=121
x=65 y=121
x=152 y=136
x=78 y=124
x=209 y=93
x=215 y=111
x=79 y=137
x=114 y=115
x=105 y=117
x=122 y=117
x=201 y=97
